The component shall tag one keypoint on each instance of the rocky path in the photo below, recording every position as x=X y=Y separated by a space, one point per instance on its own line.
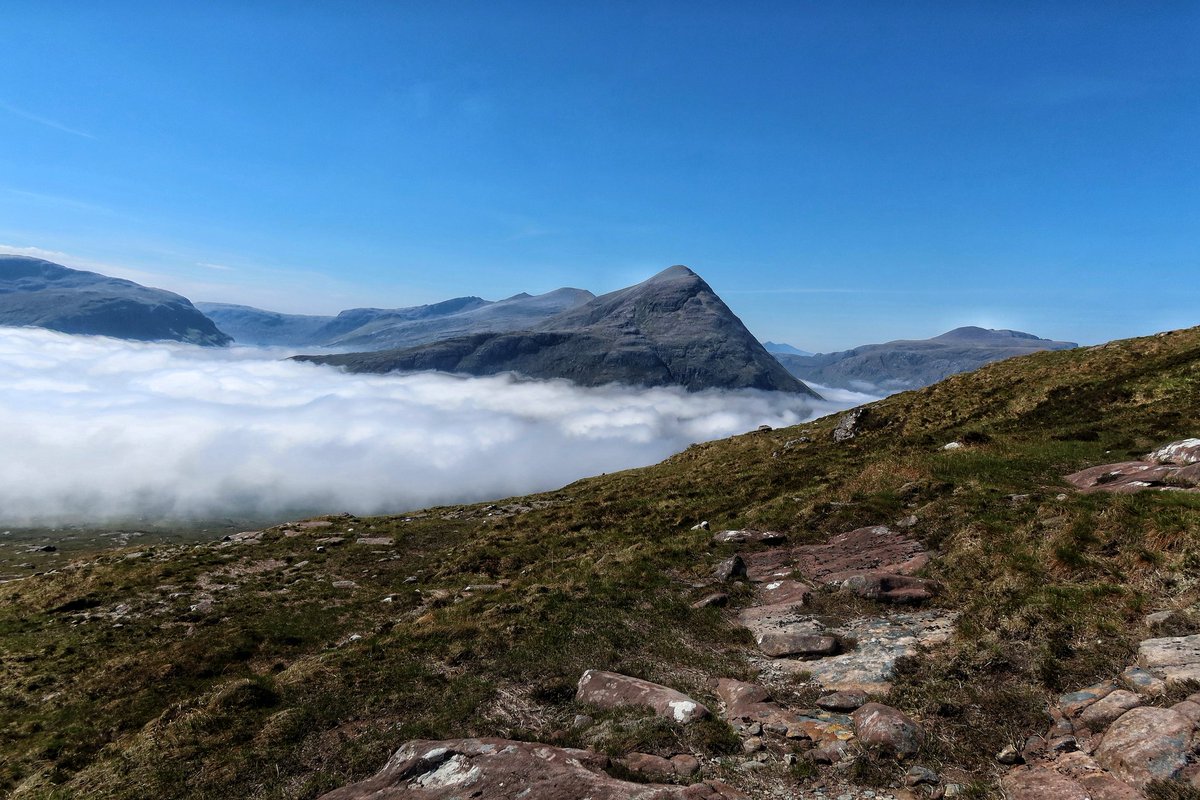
x=1106 y=742
x=875 y=563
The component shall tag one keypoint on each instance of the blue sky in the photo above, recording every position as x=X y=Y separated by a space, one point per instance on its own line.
x=840 y=172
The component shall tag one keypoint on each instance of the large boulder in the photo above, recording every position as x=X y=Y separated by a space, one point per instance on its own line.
x=499 y=769
x=888 y=730
x=1146 y=743
x=613 y=690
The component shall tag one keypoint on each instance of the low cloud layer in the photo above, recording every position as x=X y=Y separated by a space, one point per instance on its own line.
x=100 y=430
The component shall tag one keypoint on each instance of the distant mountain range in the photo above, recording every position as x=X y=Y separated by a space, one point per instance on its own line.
x=384 y=328
x=669 y=330
x=784 y=349
x=913 y=363
x=47 y=295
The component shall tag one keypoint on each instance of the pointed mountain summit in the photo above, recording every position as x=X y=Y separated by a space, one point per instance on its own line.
x=669 y=330
x=39 y=293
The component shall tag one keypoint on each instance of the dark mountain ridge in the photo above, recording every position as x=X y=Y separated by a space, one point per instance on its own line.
x=669 y=330
x=39 y=293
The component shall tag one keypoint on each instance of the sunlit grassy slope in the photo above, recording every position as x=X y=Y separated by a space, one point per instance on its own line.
x=117 y=679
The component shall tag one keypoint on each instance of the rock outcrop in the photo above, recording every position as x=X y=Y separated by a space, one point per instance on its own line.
x=1172 y=467
x=1109 y=741
x=499 y=769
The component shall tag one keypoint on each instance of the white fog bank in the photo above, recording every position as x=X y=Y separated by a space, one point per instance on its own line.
x=95 y=429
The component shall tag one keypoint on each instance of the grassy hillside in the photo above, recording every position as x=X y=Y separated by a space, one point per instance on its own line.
x=256 y=670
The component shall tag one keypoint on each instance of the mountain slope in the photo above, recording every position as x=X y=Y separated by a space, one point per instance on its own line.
x=302 y=648
x=47 y=295
x=669 y=330
x=380 y=328
x=909 y=364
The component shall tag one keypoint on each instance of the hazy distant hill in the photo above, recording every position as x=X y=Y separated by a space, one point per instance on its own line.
x=48 y=295
x=910 y=364
x=380 y=328
x=785 y=349
x=669 y=330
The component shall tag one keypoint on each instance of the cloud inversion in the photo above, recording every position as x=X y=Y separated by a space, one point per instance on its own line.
x=95 y=429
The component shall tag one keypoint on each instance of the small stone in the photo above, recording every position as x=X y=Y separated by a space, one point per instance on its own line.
x=803 y=645
x=410 y=579
x=1143 y=682
x=749 y=537
x=730 y=569
x=1102 y=713
x=752 y=745
x=844 y=701
x=952 y=446
x=703 y=526
x=649 y=765
x=1064 y=744
x=344 y=584
x=582 y=721
x=954 y=790
x=887 y=729
x=685 y=765
x=718 y=599
x=754 y=729
x=1156 y=619
x=918 y=776
x=1009 y=756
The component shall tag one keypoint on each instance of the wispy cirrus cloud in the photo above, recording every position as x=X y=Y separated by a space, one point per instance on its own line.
x=46 y=121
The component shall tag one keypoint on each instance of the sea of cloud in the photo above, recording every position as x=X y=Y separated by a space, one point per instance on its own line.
x=97 y=430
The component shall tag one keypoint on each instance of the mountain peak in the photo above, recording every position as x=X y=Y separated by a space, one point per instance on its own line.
x=673 y=273
x=976 y=334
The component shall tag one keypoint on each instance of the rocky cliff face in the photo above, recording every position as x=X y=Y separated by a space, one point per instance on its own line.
x=913 y=363
x=39 y=293
x=669 y=330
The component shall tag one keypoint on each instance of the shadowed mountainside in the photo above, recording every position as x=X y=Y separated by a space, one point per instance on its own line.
x=43 y=294
x=669 y=330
